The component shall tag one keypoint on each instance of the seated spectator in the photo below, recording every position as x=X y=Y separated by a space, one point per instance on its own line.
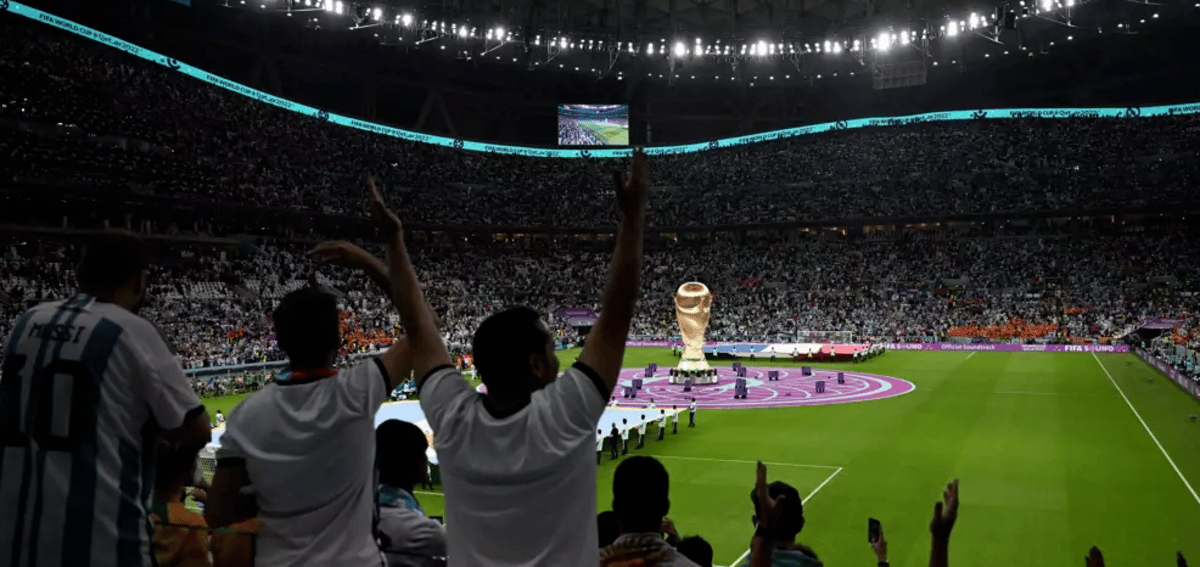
x=696 y=549
x=778 y=519
x=641 y=499
x=407 y=536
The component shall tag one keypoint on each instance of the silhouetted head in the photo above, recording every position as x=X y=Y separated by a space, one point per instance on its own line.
x=641 y=495
x=696 y=549
x=400 y=453
x=514 y=353
x=306 y=327
x=791 y=518
x=608 y=526
x=114 y=268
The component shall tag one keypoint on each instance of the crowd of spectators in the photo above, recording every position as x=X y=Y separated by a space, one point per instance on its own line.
x=884 y=291
x=76 y=112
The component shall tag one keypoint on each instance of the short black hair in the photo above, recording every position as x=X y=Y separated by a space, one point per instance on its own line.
x=791 y=518
x=111 y=259
x=307 y=327
x=173 y=464
x=641 y=494
x=502 y=345
x=608 y=526
x=696 y=549
x=398 y=445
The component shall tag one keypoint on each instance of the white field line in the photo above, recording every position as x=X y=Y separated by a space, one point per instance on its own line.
x=969 y=356
x=738 y=561
x=1147 y=428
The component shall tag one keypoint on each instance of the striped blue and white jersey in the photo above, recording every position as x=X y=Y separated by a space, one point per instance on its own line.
x=85 y=389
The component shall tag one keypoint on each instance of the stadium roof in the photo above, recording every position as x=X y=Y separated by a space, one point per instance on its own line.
x=719 y=18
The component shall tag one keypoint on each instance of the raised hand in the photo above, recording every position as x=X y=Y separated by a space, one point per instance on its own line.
x=1179 y=560
x=944 y=514
x=384 y=217
x=1094 y=558
x=631 y=188
x=879 y=546
x=769 y=509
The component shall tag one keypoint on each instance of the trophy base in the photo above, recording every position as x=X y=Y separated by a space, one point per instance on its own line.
x=693 y=364
x=698 y=377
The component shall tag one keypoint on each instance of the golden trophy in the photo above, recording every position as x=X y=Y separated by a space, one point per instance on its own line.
x=693 y=302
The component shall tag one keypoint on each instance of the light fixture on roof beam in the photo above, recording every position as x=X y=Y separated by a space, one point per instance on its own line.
x=952 y=29
x=680 y=49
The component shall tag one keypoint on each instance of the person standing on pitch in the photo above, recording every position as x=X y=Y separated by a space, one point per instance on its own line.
x=674 y=420
x=305 y=446
x=599 y=445
x=625 y=437
x=662 y=424
x=516 y=462
x=87 y=386
x=613 y=440
x=692 y=413
x=642 y=432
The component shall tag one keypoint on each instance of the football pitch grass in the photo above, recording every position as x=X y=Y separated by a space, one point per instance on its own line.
x=1051 y=456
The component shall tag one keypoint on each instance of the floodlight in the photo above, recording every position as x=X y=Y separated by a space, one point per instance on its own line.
x=406 y=19
x=762 y=48
x=952 y=29
x=377 y=14
x=974 y=20
x=499 y=32
x=837 y=47
x=329 y=7
x=339 y=7
x=562 y=43
x=650 y=49
x=884 y=41
x=680 y=49
x=463 y=31
x=828 y=46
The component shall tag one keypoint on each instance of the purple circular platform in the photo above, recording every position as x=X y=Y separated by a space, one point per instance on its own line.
x=792 y=388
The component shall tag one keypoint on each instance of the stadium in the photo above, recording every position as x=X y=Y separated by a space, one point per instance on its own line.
x=860 y=255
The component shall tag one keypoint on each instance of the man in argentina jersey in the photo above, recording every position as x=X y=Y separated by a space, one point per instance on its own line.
x=87 y=386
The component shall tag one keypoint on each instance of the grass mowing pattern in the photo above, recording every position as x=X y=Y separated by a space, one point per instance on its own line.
x=1051 y=459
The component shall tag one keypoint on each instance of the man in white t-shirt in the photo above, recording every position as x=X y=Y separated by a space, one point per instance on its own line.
x=519 y=480
x=692 y=413
x=642 y=432
x=662 y=423
x=674 y=420
x=299 y=454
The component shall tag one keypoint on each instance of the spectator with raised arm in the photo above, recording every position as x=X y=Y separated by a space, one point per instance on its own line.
x=945 y=513
x=305 y=447
x=778 y=519
x=517 y=465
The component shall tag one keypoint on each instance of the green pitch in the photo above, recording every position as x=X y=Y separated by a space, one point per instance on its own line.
x=1051 y=458
x=612 y=135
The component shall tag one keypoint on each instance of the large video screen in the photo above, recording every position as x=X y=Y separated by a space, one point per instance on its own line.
x=593 y=125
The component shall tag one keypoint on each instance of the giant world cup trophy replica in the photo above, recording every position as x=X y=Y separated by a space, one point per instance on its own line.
x=693 y=302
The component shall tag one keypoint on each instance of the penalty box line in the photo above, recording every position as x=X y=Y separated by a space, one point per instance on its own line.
x=743 y=556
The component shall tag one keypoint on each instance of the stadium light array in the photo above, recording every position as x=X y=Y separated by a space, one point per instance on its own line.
x=680 y=49
x=406 y=19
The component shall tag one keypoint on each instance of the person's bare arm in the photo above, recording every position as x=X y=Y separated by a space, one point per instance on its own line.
x=605 y=346
x=396 y=360
x=427 y=351
x=762 y=546
x=944 y=516
x=226 y=503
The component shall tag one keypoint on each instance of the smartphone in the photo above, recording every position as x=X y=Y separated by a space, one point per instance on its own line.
x=873 y=528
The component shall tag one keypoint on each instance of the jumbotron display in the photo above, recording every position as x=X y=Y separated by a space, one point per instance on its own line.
x=593 y=125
